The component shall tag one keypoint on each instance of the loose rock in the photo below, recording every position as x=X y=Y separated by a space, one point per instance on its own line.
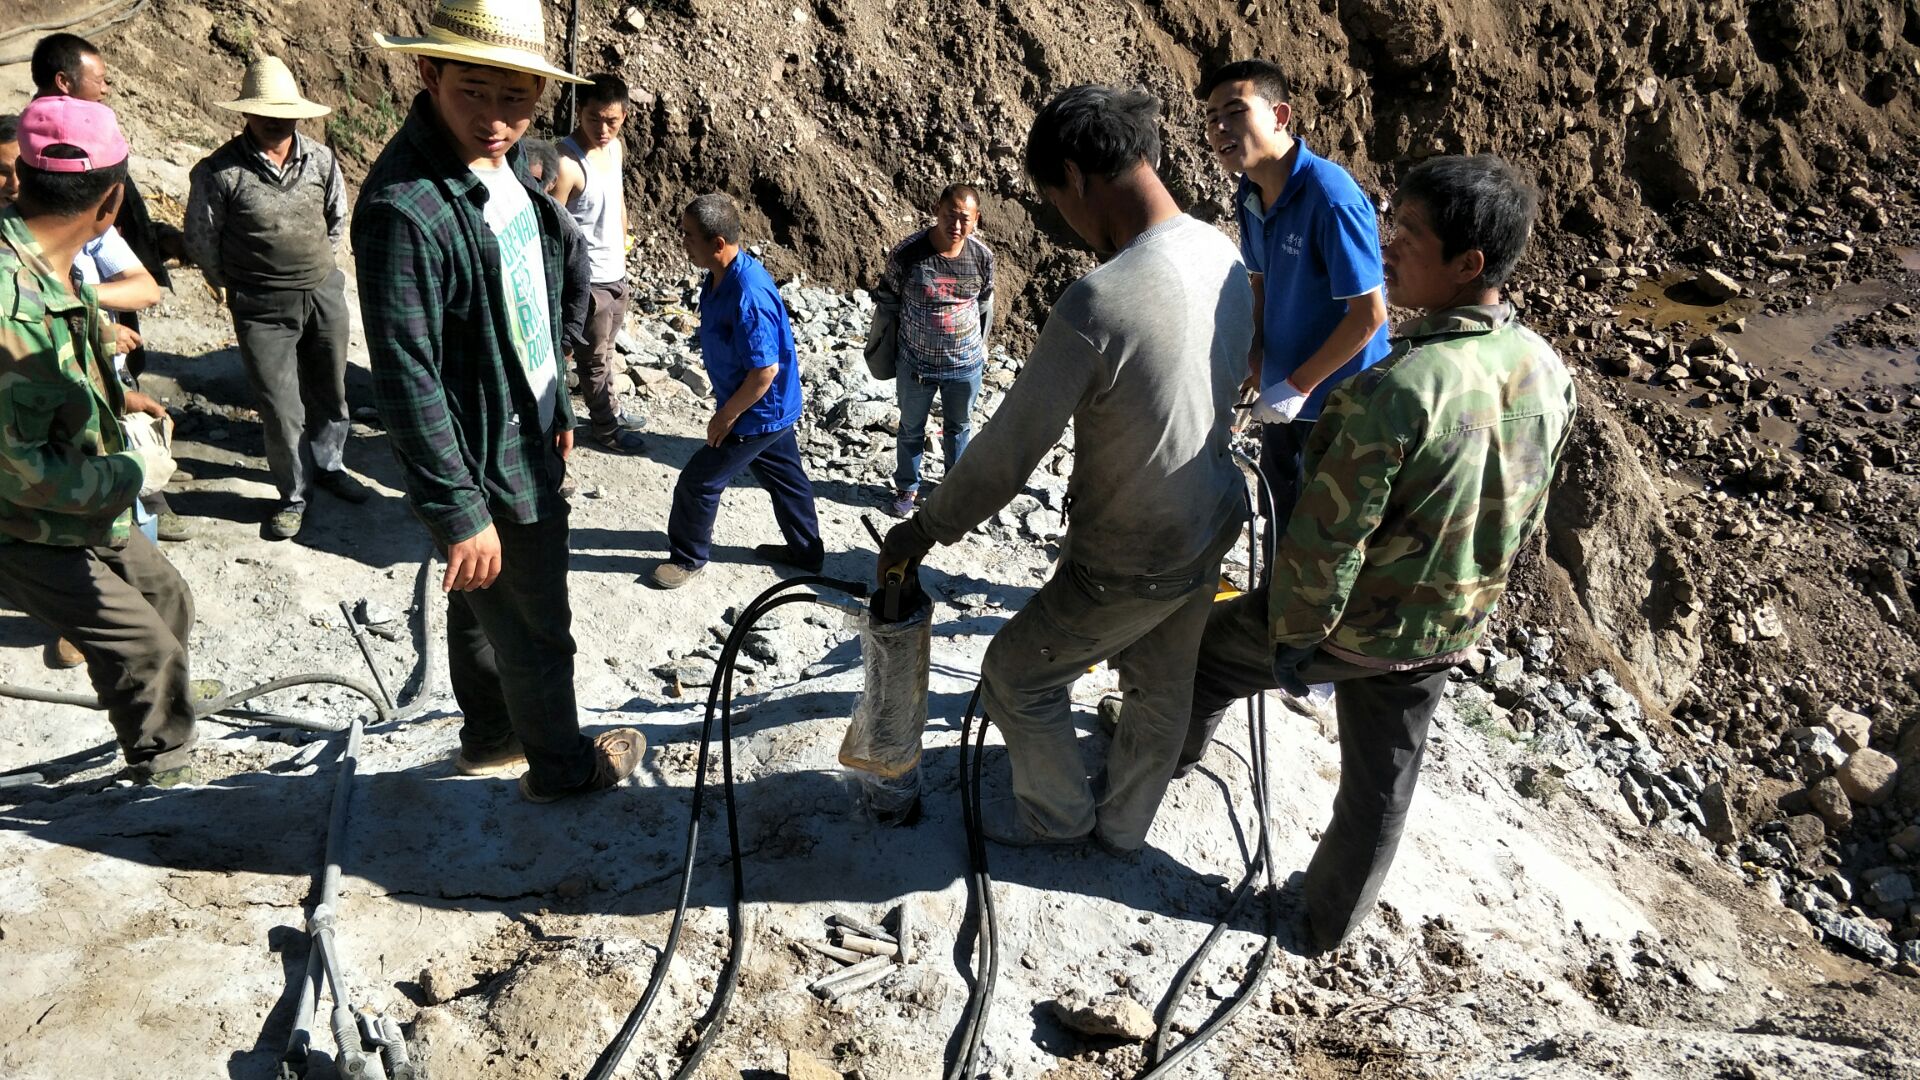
x=1115 y=1016
x=1868 y=777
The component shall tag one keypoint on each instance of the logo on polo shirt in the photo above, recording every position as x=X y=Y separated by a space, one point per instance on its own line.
x=1291 y=245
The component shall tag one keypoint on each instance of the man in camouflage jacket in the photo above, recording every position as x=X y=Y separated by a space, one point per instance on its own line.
x=1424 y=476
x=67 y=477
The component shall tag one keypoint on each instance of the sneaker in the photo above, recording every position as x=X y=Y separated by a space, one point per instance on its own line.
x=785 y=555
x=617 y=754
x=173 y=527
x=1001 y=822
x=627 y=421
x=343 y=485
x=490 y=762
x=1109 y=714
x=62 y=654
x=902 y=503
x=618 y=441
x=285 y=525
x=671 y=575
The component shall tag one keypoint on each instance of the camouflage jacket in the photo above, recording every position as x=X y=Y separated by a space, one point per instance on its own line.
x=66 y=477
x=1424 y=474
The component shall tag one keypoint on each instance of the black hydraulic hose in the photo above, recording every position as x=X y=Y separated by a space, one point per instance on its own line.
x=719 y=702
x=986 y=924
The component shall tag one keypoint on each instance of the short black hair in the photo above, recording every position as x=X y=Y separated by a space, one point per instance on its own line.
x=1265 y=76
x=1474 y=202
x=716 y=217
x=957 y=193
x=9 y=128
x=543 y=153
x=604 y=89
x=1103 y=129
x=65 y=194
x=58 y=54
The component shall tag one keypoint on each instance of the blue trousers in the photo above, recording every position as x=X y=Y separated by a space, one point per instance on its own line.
x=916 y=403
x=774 y=458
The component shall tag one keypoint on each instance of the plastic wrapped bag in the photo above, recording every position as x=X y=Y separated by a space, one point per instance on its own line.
x=890 y=718
x=153 y=441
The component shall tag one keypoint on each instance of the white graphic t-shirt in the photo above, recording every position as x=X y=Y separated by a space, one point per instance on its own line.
x=523 y=275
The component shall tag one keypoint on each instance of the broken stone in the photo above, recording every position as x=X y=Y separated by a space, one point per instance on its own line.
x=1892 y=889
x=1855 y=935
x=1906 y=842
x=632 y=20
x=373 y=613
x=1831 y=803
x=1716 y=285
x=1717 y=814
x=1849 y=728
x=1837 y=252
x=1868 y=777
x=1115 y=1016
x=1859 y=198
x=804 y=1066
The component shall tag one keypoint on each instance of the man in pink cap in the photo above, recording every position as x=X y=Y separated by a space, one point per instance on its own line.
x=68 y=478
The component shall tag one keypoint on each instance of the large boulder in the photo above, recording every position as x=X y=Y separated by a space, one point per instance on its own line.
x=1868 y=777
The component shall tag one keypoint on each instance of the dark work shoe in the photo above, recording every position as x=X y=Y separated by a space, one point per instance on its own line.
x=342 y=485
x=508 y=756
x=285 y=525
x=618 y=441
x=616 y=754
x=177 y=776
x=785 y=555
x=1001 y=822
x=173 y=528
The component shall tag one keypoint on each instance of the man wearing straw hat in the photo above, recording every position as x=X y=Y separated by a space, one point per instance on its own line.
x=462 y=272
x=265 y=214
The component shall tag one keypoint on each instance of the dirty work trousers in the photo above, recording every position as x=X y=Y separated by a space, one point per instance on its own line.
x=1383 y=734
x=606 y=310
x=510 y=658
x=129 y=613
x=1150 y=629
x=293 y=345
x=775 y=460
x=1282 y=448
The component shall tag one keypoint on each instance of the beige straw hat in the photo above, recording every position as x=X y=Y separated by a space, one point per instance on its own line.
x=509 y=34
x=268 y=89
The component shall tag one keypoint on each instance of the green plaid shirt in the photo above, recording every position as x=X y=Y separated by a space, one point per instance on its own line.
x=448 y=385
x=66 y=477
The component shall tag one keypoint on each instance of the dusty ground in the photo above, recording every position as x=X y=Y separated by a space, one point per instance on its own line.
x=1538 y=934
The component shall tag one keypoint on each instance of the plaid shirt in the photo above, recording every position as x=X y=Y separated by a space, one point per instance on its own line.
x=946 y=305
x=65 y=476
x=449 y=387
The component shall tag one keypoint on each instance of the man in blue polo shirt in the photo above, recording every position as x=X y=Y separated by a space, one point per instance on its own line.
x=746 y=345
x=1311 y=242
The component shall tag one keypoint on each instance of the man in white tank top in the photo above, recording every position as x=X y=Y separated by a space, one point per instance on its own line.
x=590 y=187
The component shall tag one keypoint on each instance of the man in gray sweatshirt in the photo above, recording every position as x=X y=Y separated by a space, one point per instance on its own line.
x=264 y=216
x=1144 y=355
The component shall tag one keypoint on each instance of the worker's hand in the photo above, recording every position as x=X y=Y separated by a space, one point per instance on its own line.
x=139 y=402
x=125 y=338
x=473 y=563
x=1279 y=403
x=718 y=428
x=903 y=544
x=1287 y=661
x=563 y=442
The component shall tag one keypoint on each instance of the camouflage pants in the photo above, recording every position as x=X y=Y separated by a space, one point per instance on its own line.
x=129 y=613
x=1383 y=736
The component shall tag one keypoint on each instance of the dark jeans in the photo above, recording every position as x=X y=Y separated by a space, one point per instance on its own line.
x=1281 y=448
x=915 y=395
x=1383 y=735
x=510 y=657
x=293 y=345
x=129 y=612
x=606 y=309
x=775 y=460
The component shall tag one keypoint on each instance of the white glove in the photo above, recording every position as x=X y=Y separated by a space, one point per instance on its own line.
x=149 y=438
x=1279 y=403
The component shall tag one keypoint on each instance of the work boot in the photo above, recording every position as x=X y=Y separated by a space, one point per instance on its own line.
x=172 y=527
x=616 y=754
x=785 y=555
x=901 y=504
x=62 y=654
x=670 y=575
x=627 y=421
x=285 y=525
x=343 y=485
x=178 y=776
x=1002 y=823
x=503 y=758
x=618 y=441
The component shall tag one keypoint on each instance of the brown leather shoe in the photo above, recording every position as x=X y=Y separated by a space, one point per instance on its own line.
x=64 y=655
x=617 y=754
x=490 y=762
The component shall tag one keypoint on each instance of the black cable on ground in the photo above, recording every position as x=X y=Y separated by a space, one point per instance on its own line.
x=973 y=1025
x=719 y=705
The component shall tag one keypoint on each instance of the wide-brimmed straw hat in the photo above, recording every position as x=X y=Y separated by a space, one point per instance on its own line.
x=269 y=89
x=509 y=34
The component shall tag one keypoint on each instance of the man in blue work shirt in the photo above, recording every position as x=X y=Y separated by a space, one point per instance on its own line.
x=746 y=344
x=1311 y=242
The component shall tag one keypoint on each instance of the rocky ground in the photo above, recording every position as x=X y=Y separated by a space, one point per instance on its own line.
x=1670 y=824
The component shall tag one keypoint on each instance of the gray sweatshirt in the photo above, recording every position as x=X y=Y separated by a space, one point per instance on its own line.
x=1144 y=355
x=250 y=226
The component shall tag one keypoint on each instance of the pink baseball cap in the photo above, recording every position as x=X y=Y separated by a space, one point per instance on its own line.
x=87 y=126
